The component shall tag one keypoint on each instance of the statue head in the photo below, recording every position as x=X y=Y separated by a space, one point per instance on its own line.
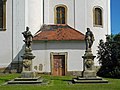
x=88 y=29
x=27 y=28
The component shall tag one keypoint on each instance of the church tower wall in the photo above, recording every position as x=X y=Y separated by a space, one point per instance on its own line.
x=80 y=15
x=70 y=11
x=34 y=14
x=25 y=13
x=6 y=38
x=99 y=31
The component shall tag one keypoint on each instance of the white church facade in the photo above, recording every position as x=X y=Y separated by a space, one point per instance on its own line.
x=58 y=27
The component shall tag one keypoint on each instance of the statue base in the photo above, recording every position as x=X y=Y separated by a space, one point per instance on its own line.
x=27 y=60
x=28 y=74
x=27 y=77
x=36 y=80
x=88 y=60
x=89 y=72
x=82 y=80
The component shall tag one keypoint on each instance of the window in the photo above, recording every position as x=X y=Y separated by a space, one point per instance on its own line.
x=60 y=14
x=2 y=15
x=98 y=19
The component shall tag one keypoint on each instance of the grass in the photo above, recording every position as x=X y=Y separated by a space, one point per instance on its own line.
x=6 y=77
x=58 y=83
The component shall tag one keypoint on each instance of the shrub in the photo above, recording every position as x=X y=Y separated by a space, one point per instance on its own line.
x=109 y=57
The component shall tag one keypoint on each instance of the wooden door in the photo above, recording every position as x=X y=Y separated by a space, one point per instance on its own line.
x=58 y=65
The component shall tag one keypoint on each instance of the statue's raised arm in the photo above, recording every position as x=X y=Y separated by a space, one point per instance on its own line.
x=89 y=39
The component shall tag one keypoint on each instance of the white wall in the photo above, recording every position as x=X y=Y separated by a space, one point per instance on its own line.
x=25 y=13
x=18 y=28
x=50 y=8
x=35 y=15
x=99 y=32
x=80 y=15
x=75 y=50
x=30 y=13
x=6 y=38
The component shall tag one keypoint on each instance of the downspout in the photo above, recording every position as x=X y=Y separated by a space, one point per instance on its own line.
x=43 y=12
x=12 y=30
x=86 y=25
x=74 y=15
x=12 y=38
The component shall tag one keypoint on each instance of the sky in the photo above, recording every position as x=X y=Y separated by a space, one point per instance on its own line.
x=115 y=16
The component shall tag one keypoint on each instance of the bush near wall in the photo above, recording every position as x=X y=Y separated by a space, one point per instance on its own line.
x=109 y=57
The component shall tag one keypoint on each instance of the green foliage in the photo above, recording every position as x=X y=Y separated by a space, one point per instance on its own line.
x=109 y=57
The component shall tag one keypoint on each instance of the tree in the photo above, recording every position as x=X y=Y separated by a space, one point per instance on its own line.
x=109 y=57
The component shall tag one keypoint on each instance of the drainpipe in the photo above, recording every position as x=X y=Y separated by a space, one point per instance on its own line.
x=74 y=15
x=12 y=38
x=12 y=30
x=43 y=12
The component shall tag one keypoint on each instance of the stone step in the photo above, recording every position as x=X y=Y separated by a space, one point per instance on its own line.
x=25 y=82
x=89 y=81
x=89 y=78
x=27 y=79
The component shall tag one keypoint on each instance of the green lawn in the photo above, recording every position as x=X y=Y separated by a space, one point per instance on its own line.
x=58 y=83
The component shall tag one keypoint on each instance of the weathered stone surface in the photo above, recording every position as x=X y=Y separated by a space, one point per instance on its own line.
x=77 y=81
x=36 y=80
x=88 y=80
x=89 y=71
x=28 y=74
x=27 y=79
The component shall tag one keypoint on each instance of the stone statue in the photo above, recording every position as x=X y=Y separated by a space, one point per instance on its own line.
x=27 y=56
x=28 y=38
x=89 y=39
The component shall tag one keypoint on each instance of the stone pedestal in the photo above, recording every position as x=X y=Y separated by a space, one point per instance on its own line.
x=27 y=64
x=88 y=62
x=27 y=76
x=89 y=72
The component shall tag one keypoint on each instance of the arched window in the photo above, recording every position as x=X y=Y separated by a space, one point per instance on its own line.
x=2 y=15
x=98 y=18
x=60 y=14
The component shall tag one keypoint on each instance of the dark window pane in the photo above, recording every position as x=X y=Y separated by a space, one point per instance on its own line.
x=98 y=16
x=60 y=15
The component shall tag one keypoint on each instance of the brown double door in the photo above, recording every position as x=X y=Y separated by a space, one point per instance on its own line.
x=58 y=65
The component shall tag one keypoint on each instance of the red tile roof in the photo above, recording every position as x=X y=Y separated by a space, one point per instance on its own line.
x=58 y=32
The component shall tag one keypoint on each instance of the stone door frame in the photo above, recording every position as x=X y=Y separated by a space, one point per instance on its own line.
x=52 y=58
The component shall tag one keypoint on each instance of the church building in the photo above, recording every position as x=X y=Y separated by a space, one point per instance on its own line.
x=58 y=28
